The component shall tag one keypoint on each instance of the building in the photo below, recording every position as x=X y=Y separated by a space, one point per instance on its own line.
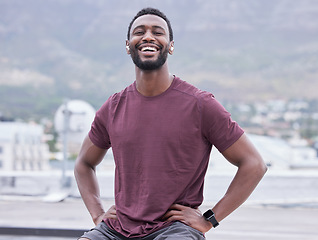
x=22 y=147
x=72 y=122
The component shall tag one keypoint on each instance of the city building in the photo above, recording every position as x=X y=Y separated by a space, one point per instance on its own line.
x=22 y=147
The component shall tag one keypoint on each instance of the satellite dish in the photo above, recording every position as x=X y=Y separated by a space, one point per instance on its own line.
x=79 y=116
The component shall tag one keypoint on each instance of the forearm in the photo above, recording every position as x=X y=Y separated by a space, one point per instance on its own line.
x=243 y=184
x=89 y=189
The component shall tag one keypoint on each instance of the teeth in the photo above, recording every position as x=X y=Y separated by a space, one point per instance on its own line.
x=152 y=49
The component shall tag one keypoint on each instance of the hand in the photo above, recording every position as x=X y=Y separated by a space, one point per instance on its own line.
x=189 y=216
x=111 y=214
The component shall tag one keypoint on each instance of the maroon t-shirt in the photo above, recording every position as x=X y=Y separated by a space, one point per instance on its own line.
x=161 y=147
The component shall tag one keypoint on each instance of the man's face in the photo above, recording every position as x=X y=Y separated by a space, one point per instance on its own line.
x=149 y=42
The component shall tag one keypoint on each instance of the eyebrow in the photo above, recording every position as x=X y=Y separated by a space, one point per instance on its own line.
x=143 y=26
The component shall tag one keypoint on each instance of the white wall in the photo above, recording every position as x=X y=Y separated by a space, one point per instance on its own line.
x=22 y=147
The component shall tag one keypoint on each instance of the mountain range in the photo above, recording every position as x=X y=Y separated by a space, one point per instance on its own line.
x=248 y=50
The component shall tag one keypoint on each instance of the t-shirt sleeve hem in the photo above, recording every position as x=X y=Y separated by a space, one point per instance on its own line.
x=95 y=141
x=231 y=141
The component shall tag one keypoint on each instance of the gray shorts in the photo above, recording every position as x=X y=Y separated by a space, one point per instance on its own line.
x=174 y=231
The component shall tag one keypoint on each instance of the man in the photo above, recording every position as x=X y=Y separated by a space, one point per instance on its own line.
x=161 y=130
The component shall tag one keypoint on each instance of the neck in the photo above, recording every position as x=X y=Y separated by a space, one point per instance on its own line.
x=153 y=83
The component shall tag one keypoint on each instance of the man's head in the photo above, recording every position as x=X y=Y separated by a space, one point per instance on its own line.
x=149 y=39
x=151 y=11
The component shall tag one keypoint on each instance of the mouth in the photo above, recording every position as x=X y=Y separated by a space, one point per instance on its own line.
x=148 y=48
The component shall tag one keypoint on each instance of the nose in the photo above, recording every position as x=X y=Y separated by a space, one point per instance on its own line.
x=148 y=36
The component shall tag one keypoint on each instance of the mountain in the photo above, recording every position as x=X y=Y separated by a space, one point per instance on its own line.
x=239 y=50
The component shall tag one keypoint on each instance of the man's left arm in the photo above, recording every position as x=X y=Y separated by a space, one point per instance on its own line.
x=251 y=169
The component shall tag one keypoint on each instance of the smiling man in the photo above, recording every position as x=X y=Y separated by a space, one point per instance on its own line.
x=161 y=130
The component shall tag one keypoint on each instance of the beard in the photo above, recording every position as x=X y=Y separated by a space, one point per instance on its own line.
x=149 y=64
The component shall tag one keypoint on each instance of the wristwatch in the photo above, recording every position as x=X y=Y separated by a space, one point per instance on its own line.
x=209 y=216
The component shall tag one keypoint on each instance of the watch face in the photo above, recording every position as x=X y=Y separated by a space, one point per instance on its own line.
x=208 y=213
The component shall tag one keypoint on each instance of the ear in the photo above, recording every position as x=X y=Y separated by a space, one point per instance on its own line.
x=127 y=47
x=171 y=47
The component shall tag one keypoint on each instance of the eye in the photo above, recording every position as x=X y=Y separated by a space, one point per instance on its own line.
x=158 y=33
x=138 y=32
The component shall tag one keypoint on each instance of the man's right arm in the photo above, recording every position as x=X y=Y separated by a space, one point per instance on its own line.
x=89 y=157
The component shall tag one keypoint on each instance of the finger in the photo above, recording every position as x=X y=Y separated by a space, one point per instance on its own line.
x=113 y=207
x=112 y=210
x=167 y=214
x=111 y=215
x=170 y=214
x=177 y=207
x=174 y=218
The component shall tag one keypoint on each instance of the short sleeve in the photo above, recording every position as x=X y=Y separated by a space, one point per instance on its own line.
x=217 y=125
x=98 y=133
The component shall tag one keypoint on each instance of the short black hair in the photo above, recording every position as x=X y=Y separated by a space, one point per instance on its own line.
x=151 y=11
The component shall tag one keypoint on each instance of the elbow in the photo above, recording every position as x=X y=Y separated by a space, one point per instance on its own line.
x=76 y=168
x=263 y=166
x=79 y=168
x=255 y=166
x=264 y=169
x=82 y=167
x=260 y=168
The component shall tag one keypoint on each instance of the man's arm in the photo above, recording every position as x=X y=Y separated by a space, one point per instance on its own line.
x=89 y=157
x=251 y=169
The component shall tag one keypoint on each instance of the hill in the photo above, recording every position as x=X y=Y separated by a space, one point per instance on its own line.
x=239 y=50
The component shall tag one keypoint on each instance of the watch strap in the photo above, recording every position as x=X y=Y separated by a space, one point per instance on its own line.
x=209 y=216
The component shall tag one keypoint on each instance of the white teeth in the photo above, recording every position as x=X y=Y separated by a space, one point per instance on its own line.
x=152 y=49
